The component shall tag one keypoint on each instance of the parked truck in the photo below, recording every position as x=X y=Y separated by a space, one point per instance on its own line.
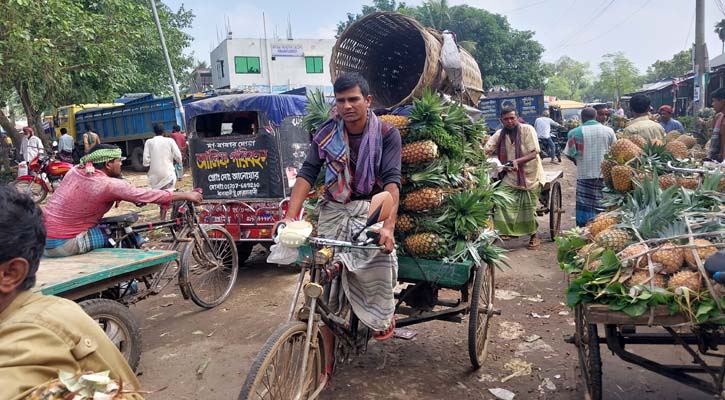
x=129 y=122
x=529 y=104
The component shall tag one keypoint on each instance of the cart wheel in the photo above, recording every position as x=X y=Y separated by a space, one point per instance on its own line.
x=555 y=210
x=274 y=375
x=209 y=270
x=480 y=315
x=120 y=326
x=587 y=343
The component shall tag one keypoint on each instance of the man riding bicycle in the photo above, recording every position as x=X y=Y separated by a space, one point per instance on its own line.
x=361 y=155
x=88 y=191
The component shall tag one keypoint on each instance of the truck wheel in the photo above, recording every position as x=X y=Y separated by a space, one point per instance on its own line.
x=136 y=159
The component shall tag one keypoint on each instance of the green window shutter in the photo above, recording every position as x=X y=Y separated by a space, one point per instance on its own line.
x=247 y=65
x=313 y=65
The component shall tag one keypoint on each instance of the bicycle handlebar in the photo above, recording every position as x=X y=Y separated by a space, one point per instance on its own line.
x=372 y=237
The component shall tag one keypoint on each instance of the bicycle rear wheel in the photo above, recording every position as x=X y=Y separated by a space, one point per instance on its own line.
x=275 y=374
x=209 y=267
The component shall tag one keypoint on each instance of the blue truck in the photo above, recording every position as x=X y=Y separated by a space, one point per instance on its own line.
x=131 y=122
x=529 y=104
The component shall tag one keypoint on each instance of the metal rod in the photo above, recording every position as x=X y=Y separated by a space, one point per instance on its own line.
x=306 y=349
x=298 y=287
x=430 y=316
x=175 y=87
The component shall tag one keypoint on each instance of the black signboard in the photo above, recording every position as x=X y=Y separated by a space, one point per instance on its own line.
x=234 y=167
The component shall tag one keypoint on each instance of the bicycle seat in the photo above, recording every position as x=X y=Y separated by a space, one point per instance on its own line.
x=129 y=218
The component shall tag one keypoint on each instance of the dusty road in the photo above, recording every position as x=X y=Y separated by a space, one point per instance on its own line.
x=206 y=354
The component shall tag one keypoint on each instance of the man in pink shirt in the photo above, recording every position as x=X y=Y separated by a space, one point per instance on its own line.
x=86 y=194
x=178 y=137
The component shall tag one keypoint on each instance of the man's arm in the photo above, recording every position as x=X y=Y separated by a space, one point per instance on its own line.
x=146 y=154
x=86 y=144
x=387 y=232
x=176 y=151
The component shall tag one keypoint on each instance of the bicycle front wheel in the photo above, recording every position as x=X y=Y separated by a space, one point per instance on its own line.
x=275 y=374
x=209 y=267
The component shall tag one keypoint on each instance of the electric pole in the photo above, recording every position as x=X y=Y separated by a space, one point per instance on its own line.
x=701 y=61
x=175 y=87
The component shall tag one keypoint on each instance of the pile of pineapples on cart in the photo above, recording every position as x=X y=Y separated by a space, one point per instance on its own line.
x=446 y=197
x=650 y=247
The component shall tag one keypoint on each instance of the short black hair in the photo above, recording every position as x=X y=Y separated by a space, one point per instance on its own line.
x=600 y=106
x=102 y=146
x=23 y=232
x=718 y=94
x=88 y=127
x=158 y=129
x=176 y=128
x=63 y=131
x=639 y=103
x=588 y=114
x=349 y=81
x=507 y=110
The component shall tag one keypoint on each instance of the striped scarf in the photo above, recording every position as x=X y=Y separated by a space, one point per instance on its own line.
x=518 y=153
x=333 y=145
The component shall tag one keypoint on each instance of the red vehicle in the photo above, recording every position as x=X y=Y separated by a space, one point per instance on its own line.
x=44 y=174
x=244 y=152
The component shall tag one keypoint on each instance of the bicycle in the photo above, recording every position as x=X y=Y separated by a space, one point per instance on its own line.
x=207 y=265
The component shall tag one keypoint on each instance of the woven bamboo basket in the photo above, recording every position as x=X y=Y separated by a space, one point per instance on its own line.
x=399 y=58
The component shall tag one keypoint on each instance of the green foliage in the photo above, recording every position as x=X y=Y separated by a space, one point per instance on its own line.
x=318 y=111
x=618 y=76
x=569 y=78
x=678 y=65
x=427 y=123
x=378 y=5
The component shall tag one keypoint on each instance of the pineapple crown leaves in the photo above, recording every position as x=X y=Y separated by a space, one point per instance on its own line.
x=653 y=212
x=318 y=111
x=466 y=213
x=427 y=111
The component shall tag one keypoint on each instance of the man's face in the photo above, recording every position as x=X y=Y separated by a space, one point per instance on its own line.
x=509 y=120
x=602 y=115
x=352 y=105
x=718 y=104
x=666 y=115
x=113 y=168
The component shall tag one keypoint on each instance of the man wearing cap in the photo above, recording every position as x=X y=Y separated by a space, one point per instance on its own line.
x=668 y=123
x=88 y=191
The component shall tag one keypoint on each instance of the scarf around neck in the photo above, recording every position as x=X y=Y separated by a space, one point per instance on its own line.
x=333 y=146
x=518 y=152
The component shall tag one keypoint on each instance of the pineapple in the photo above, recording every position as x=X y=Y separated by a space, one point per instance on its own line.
x=613 y=239
x=633 y=250
x=398 y=121
x=688 y=182
x=607 y=166
x=419 y=152
x=672 y=135
x=405 y=223
x=667 y=181
x=622 y=178
x=689 y=279
x=677 y=148
x=670 y=256
x=426 y=245
x=424 y=199
x=639 y=140
x=318 y=111
x=705 y=250
x=624 y=150
x=594 y=265
x=688 y=140
x=642 y=277
x=602 y=222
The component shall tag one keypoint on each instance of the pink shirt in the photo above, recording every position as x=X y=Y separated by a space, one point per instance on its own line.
x=180 y=139
x=82 y=199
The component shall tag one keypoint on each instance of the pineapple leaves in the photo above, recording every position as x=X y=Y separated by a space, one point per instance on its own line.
x=318 y=111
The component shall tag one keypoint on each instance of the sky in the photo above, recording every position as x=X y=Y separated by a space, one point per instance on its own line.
x=645 y=30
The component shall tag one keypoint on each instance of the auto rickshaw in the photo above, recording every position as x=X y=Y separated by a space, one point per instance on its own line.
x=245 y=151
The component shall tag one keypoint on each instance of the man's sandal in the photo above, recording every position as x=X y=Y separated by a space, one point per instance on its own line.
x=534 y=243
x=386 y=334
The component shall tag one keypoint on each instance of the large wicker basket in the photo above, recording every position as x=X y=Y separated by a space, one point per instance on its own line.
x=399 y=58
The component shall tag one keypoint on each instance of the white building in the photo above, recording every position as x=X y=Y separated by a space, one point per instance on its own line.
x=273 y=65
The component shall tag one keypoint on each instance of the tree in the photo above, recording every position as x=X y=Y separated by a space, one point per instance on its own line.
x=58 y=52
x=378 y=5
x=679 y=65
x=720 y=30
x=618 y=76
x=568 y=78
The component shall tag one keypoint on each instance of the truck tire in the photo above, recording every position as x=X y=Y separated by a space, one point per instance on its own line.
x=136 y=159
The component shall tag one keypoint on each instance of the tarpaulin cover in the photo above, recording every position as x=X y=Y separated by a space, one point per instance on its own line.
x=275 y=106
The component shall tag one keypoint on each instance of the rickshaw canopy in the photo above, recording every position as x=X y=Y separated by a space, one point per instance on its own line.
x=275 y=106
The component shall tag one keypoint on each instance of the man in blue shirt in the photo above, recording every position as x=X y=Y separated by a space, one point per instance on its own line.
x=668 y=123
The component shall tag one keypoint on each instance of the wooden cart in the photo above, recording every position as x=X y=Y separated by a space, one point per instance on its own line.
x=620 y=331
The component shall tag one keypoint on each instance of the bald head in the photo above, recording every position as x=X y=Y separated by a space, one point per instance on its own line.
x=588 y=114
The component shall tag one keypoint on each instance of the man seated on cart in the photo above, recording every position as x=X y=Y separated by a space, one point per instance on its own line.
x=41 y=335
x=517 y=143
x=361 y=155
x=88 y=191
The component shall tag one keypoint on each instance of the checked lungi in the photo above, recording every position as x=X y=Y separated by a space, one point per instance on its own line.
x=588 y=199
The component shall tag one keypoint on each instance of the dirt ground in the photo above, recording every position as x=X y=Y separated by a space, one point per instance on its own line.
x=199 y=354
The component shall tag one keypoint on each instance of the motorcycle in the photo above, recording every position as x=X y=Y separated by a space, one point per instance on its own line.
x=557 y=147
x=45 y=173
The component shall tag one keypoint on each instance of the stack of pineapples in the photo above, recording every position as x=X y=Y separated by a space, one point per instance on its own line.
x=446 y=199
